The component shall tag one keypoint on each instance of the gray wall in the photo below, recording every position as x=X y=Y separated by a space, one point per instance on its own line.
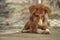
x=18 y=14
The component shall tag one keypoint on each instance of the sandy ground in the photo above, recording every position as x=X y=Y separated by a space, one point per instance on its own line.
x=55 y=35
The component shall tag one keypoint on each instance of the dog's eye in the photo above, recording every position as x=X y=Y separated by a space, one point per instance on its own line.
x=36 y=9
x=36 y=15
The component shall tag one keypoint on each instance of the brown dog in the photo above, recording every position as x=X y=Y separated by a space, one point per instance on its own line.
x=37 y=18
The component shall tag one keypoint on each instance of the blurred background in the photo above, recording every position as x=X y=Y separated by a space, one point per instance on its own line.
x=15 y=13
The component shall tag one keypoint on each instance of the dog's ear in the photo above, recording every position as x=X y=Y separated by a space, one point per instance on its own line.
x=32 y=9
x=48 y=10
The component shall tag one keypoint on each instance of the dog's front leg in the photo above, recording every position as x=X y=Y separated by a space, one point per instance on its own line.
x=45 y=27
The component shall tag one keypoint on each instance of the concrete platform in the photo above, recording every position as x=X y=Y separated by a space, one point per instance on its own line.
x=55 y=35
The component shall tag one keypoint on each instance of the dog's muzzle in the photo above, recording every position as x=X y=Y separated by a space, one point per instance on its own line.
x=40 y=22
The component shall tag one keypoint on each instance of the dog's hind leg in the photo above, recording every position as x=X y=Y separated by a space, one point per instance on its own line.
x=26 y=27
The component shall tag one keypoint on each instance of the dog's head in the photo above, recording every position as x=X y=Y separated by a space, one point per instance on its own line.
x=39 y=10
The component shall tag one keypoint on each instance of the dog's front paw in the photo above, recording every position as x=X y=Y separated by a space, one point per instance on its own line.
x=47 y=31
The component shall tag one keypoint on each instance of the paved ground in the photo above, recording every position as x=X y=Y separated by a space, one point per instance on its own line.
x=55 y=35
